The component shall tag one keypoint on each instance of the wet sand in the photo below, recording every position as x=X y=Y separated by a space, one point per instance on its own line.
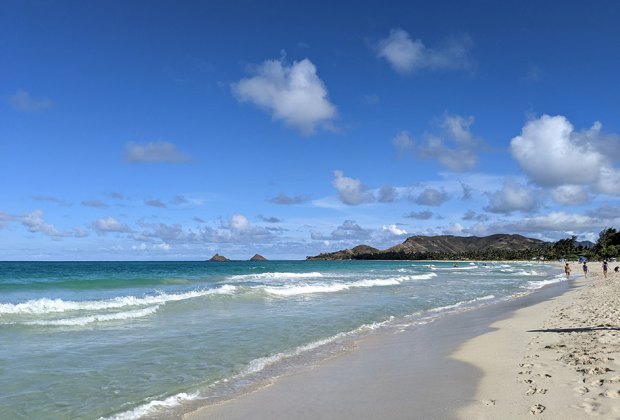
x=466 y=365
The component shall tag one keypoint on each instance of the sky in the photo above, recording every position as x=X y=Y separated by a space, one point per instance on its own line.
x=164 y=130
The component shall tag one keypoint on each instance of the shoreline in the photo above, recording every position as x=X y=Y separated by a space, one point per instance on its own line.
x=386 y=374
x=559 y=359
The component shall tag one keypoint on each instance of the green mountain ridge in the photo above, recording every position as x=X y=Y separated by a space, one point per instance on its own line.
x=498 y=246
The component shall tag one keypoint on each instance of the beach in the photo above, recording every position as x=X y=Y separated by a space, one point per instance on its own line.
x=133 y=340
x=551 y=354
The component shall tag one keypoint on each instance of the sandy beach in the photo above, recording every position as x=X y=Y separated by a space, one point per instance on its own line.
x=552 y=354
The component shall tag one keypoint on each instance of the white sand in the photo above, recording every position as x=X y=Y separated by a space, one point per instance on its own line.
x=559 y=359
x=555 y=359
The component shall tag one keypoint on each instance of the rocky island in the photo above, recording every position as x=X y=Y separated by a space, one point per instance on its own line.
x=219 y=258
x=258 y=257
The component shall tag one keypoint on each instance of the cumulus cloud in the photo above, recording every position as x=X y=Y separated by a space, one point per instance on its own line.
x=451 y=143
x=292 y=93
x=472 y=215
x=348 y=230
x=237 y=229
x=570 y=194
x=22 y=101
x=36 y=224
x=287 y=200
x=431 y=197
x=351 y=191
x=98 y=204
x=606 y=212
x=420 y=215
x=386 y=194
x=394 y=230
x=553 y=154
x=153 y=152
x=512 y=197
x=407 y=55
x=109 y=224
x=563 y=222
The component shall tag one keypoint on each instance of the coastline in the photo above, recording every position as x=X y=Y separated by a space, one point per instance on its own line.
x=556 y=359
x=445 y=369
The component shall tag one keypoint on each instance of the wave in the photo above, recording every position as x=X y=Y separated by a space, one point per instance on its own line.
x=277 y=275
x=85 y=320
x=338 y=287
x=254 y=367
x=533 y=285
x=464 y=302
x=152 y=406
x=45 y=305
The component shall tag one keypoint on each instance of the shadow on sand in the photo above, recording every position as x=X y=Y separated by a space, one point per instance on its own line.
x=584 y=329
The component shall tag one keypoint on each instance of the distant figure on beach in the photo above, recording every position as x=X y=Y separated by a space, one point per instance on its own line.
x=585 y=270
x=605 y=268
x=567 y=270
x=616 y=269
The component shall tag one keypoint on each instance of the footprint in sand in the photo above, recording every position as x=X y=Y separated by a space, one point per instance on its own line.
x=537 y=409
x=488 y=402
x=582 y=390
x=612 y=393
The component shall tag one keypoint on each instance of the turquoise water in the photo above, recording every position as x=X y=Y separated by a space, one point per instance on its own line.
x=144 y=339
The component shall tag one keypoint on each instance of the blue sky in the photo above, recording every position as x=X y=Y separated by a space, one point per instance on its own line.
x=174 y=130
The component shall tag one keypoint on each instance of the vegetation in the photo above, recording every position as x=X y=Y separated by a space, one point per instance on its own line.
x=607 y=246
x=512 y=247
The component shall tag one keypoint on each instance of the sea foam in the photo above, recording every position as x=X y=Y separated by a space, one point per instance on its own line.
x=85 y=320
x=45 y=305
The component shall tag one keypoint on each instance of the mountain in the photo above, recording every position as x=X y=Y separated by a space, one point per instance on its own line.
x=218 y=257
x=585 y=244
x=500 y=246
x=258 y=257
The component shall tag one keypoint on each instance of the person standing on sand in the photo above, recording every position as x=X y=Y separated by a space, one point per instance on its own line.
x=567 y=271
x=585 y=270
x=605 y=268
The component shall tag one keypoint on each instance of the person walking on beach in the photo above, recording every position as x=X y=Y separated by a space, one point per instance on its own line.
x=605 y=268
x=567 y=271
x=585 y=270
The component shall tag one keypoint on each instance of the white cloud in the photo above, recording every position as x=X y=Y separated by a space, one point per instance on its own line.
x=512 y=197
x=451 y=143
x=158 y=151
x=570 y=194
x=394 y=230
x=22 y=101
x=35 y=224
x=351 y=191
x=553 y=222
x=291 y=93
x=109 y=224
x=347 y=231
x=407 y=55
x=553 y=154
x=239 y=223
x=431 y=197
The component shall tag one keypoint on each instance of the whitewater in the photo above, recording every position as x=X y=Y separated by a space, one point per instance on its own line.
x=130 y=340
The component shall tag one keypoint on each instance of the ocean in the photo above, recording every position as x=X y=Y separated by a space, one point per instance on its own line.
x=131 y=340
